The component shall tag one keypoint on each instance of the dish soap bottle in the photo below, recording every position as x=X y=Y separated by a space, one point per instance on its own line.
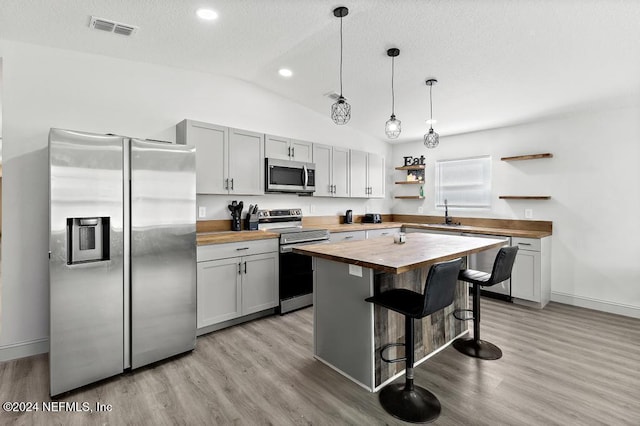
x=421 y=192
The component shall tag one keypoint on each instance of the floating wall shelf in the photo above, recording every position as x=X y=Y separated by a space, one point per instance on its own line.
x=420 y=167
x=525 y=197
x=410 y=182
x=528 y=157
x=409 y=197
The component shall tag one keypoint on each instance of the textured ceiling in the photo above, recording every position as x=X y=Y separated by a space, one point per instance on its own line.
x=498 y=62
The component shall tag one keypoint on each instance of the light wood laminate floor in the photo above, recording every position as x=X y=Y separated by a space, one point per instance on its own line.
x=561 y=366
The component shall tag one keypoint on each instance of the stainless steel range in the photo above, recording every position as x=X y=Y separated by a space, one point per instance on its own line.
x=296 y=271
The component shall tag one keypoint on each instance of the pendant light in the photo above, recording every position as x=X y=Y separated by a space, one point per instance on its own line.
x=341 y=110
x=431 y=139
x=393 y=126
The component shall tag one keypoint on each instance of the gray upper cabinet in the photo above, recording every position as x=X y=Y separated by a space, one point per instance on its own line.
x=367 y=173
x=246 y=162
x=332 y=171
x=228 y=161
x=287 y=149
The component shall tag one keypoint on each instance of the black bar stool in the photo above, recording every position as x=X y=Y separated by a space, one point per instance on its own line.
x=501 y=271
x=406 y=401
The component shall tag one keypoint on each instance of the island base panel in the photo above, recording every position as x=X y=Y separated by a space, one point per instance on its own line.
x=343 y=321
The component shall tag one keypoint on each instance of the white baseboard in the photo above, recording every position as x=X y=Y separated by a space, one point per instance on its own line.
x=23 y=349
x=598 y=305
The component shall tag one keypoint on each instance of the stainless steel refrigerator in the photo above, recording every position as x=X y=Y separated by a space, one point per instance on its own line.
x=122 y=255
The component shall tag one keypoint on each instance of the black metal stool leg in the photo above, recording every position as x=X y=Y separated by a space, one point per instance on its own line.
x=406 y=401
x=476 y=347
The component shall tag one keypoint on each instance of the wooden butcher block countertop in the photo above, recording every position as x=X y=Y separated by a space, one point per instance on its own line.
x=206 y=238
x=383 y=254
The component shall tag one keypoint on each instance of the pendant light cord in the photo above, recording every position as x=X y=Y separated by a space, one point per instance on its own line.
x=341 y=56
x=393 y=95
x=430 y=106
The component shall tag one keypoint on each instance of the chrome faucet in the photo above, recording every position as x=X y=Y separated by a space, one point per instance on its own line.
x=448 y=220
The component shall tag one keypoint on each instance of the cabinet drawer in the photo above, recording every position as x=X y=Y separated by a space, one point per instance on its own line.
x=242 y=248
x=337 y=237
x=386 y=232
x=526 y=243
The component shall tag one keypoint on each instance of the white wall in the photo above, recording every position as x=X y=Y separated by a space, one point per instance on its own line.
x=594 y=182
x=45 y=87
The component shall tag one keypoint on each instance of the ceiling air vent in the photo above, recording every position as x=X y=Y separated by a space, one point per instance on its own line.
x=112 y=26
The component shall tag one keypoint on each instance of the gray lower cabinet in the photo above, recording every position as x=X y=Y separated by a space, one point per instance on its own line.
x=337 y=237
x=233 y=287
x=531 y=276
x=219 y=291
x=385 y=232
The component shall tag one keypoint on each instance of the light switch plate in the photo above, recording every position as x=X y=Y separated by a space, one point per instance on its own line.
x=528 y=213
x=202 y=211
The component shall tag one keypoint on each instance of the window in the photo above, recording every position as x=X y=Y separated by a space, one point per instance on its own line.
x=464 y=183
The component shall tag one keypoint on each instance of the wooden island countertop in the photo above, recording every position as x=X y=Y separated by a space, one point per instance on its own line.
x=382 y=254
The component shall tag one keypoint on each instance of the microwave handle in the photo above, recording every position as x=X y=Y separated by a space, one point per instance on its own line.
x=306 y=175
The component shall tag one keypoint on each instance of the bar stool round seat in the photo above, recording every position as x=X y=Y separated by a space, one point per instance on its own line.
x=407 y=401
x=501 y=271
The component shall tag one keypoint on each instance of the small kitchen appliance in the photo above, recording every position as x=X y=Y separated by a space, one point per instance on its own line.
x=348 y=217
x=372 y=218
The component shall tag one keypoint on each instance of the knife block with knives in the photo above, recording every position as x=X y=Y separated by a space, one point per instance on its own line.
x=251 y=220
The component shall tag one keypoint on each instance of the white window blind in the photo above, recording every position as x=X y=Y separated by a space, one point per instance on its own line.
x=464 y=183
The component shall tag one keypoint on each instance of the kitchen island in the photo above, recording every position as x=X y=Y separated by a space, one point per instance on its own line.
x=349 y=332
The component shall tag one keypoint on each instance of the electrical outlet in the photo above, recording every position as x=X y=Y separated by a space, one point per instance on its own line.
x=420 y=210
x=312 y=208
x=202 y=211
x=528 y=213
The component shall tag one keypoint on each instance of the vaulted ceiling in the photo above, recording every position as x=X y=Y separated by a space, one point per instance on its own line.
x=498 y=62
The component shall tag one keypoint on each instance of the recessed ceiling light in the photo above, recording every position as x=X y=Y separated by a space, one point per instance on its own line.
x=207 y=14
x=285 y=72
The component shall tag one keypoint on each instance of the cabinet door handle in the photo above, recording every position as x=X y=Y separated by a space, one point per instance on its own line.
x=289 y=154
x=524 y=244
x=232 y=184
x=239 y=268
x=226 y=184
x=335 y=189
x=348 y=237
x=242 y=248
x=245 y=267
x=384 y=233
x=293 y=152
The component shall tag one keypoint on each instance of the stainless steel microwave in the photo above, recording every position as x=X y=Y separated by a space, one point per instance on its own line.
x=289 y=176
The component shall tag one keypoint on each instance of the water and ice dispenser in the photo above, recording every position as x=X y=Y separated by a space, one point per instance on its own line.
x=88 y=239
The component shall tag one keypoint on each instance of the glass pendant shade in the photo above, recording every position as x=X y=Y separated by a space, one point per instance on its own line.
x=393 y=127
x=341 y=111
x=431 y=139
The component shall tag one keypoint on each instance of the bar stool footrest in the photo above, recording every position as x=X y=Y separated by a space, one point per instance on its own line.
x=477 y=348
x=457 y=312
x=387 y=346
x=415 y=405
